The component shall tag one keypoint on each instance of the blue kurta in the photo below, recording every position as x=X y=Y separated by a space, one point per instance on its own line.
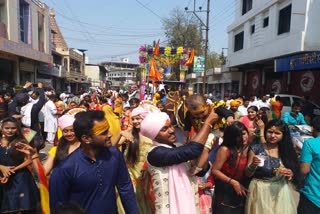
x=91 y=183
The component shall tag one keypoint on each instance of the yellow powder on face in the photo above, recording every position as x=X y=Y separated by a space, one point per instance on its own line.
x=199 y=110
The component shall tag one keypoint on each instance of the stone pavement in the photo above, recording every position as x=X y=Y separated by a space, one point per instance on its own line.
x=44 y=152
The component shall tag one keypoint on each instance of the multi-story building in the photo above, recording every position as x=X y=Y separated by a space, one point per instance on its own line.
x=24 y=41
x=67 y=70
x=120 y=74
x=275 y=45
x=96 y=75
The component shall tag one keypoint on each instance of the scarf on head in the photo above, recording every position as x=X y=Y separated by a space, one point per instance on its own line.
x=181 y=194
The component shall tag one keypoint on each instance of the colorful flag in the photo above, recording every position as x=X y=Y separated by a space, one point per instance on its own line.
x=156 y=49
x=44 y=190
x=154 y=74
x=190 y=60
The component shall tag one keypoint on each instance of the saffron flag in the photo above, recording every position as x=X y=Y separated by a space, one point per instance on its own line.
x=156 y=49
x=44 y=190
x=154 y=73
x=190 y=60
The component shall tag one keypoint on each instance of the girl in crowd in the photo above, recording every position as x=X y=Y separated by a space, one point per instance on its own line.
x=229 y=170
x=85 y=105
x=272 y=165
x=67 y=144
x=205 y=185
x=250 y=119
x=254 y=124
x=135 y=155
x=19 y=192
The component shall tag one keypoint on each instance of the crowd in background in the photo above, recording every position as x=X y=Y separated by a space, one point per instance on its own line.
x=110 y=152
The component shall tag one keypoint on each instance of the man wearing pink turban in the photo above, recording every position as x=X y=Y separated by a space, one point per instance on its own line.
x=175 y=189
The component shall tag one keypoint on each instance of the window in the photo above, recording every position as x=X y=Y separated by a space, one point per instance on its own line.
x=252 y=29
x=238 y=42
x=3 y=24
x=246 y=6
x=41 y=31
x=24 y=20
x=285 y=101
x=284 y=20
x=265 y=22
x=2 y=12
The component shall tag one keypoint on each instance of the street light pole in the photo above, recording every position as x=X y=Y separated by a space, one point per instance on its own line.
x=206 y=25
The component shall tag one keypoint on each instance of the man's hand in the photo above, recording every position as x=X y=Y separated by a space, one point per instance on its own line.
x=17 y=116
x=230 y=120
x=28 y=84
x=212 y=118
x=40 y=85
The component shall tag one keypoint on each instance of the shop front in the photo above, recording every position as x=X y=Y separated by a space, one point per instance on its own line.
x=304 y=74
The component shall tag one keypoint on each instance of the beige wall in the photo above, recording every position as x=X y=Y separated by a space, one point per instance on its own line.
x=12 y=7
x=92 y=71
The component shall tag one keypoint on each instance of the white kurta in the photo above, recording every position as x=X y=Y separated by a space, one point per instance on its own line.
x=50 y=117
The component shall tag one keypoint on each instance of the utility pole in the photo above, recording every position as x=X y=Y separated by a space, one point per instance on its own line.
x=204 y=91
x=206 y=28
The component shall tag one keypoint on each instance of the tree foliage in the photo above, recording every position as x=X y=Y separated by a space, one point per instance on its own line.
x=183 y=29
x=214 y=60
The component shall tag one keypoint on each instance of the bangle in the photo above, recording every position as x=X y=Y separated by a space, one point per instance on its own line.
x=250 y=168
x=35 y=157
x=208 y=124
x=261 y=135
x=198 y=168
x=229 y=181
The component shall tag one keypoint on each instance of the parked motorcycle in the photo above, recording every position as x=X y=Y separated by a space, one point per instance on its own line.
x=300 y=134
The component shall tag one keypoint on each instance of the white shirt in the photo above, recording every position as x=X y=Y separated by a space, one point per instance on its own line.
x=243 y=110
x=262 y=104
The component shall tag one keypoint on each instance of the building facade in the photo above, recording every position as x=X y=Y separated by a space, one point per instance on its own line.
x=67 y=70
x=120 y=74
x=267 y=33
x=96 y=75
x=24 y=41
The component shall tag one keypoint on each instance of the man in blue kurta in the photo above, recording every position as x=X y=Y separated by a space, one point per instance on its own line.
x=90 y=175
x=310 y=166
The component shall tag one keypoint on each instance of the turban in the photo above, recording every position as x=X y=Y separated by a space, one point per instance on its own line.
x=234 y=103
x=153 y=123
x=139 y=111
x=65 y=121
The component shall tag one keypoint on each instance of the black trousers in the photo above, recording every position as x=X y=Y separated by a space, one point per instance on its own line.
x=306 y=206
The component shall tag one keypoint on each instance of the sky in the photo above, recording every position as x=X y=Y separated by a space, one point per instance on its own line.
x=114 y=29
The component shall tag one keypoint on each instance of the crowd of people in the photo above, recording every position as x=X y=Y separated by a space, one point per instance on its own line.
x=110 y=152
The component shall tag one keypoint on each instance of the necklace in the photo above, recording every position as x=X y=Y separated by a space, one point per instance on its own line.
x=269 y=151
